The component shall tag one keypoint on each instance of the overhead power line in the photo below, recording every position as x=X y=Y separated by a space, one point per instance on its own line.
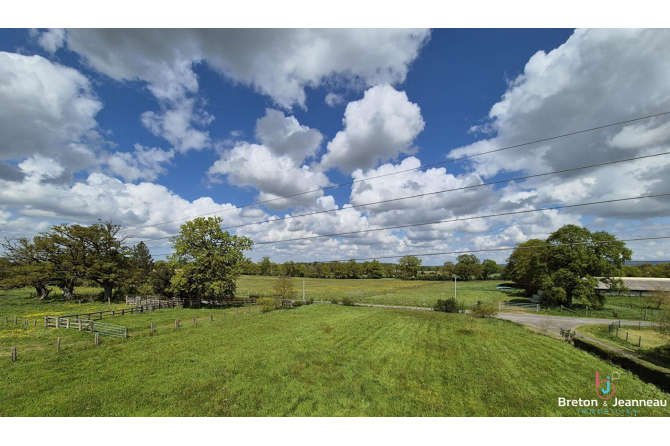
x=509 y=248
x=423 y=166
x=454 y=220
x=491 y=183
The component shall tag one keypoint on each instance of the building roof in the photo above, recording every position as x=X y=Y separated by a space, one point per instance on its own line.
x=640 y=283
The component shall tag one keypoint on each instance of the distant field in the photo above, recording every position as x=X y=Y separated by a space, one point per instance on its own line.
x=318 y=360
x=383 y=291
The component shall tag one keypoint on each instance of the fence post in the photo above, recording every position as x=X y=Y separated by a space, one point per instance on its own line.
x=79 y=320
x=6 y=320
x=15 y=320
x=35 y=323
x=97 y=339
x=125 y=332
x=14 y=355
x=67 y=323
x=639 y=341
x=211 y=317
x=626 y=336
x=25 y=321
x=91 y=326
x=176 y=323
x=194 y=321
x=58 y=346
x=57 y=322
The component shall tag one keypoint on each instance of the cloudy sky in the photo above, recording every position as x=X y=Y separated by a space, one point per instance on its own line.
x=149 y=128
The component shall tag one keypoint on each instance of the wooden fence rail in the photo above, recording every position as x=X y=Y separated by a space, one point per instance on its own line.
x=97 y=315
x=103 y=328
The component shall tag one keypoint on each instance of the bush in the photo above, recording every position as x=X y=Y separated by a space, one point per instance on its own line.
x=334 y=301
x=481 y=310
x=567 y=335
x=298 y=303
x=268 y=304
x=447 y=305
x=348 y=301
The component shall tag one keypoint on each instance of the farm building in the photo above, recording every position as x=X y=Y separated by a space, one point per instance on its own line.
x=639 y=286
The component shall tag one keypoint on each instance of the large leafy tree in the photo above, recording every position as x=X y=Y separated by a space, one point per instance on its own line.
x=569 y=264
x=525 y=265
x=409 y=266
x=207 y=260
x=94 y=252
x=577 y=257
x=468 y=266
x=24 y=264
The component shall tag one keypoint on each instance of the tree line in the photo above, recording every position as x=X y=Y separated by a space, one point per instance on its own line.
x=468 y=267
x=207 y=261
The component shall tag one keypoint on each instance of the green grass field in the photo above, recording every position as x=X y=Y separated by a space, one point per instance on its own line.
x=425 y=294
x=382 y=291
x=317 y=360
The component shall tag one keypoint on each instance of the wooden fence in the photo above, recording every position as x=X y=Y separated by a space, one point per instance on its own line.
x=103 y=328
x=155 y=302
x=97 y=315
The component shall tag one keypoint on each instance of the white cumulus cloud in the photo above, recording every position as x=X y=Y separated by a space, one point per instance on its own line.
x=379 y=127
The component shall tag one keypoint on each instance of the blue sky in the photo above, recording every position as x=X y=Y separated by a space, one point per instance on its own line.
x=144 y=127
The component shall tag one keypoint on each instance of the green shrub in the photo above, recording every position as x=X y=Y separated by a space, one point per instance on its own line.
x=298 y=303
x=268 y=304
x=567 y=335
x=482 y=310
x=334 y=301
x=447 y=305
x=348 y=301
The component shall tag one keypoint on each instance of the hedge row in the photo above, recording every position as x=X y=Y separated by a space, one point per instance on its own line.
x=647 y=372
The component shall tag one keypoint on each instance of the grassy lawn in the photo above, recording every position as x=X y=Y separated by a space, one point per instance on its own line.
x=317 y=360
x=382 y=291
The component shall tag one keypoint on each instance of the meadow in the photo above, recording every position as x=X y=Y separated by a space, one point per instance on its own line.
x=316 y=360
x=425 y=294
x=382 y=291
